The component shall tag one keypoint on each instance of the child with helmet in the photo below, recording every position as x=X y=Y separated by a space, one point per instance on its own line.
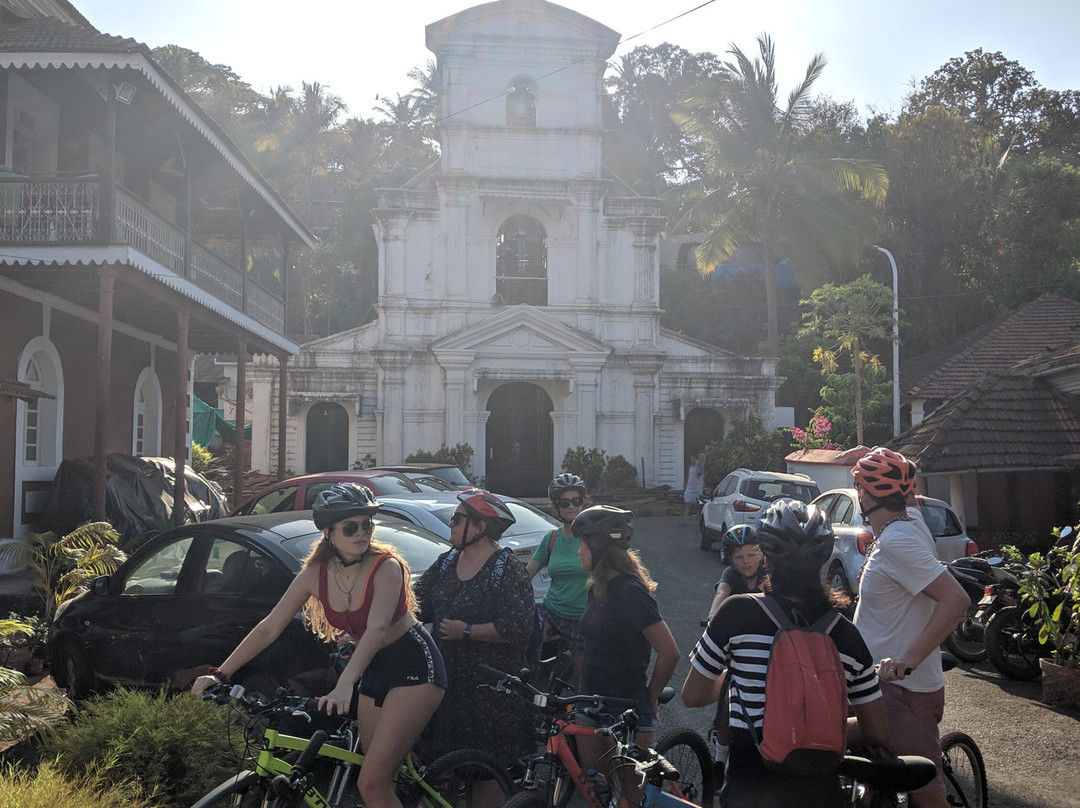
x=908 y=604
x=353 y=585
x=796 y=539
x=565 y=600
x=621 y=626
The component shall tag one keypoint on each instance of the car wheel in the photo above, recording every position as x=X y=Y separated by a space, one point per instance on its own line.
x=838 y=579
x=706 y=534
x=74 y=672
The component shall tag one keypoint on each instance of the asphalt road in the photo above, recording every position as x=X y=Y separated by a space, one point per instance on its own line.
x=1031 y=751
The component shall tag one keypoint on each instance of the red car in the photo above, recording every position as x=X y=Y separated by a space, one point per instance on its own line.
x=298 y=493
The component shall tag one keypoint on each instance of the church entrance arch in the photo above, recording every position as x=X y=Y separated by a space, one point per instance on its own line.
x=701 y=428
x=520 y=440
x=327 y=438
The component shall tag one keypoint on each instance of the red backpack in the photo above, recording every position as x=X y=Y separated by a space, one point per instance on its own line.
x=806 y=703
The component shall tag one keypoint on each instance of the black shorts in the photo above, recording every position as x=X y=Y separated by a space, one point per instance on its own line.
x=412 y=659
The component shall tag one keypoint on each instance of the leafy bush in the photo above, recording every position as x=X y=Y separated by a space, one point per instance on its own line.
x=200 y=457
x=588 y=464
x=176 y=748
x=620 y=473
x=748 y=445
x=25 y=710
x=48 y=787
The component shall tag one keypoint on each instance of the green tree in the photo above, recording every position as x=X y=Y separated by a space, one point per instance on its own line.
x=846 y=318
x=748 y=445
x=761 y=186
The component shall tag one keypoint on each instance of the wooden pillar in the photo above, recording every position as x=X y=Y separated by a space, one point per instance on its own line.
x=180 y=406
x=241 y=405
x=283 y=403
x=106 y=286
x=108 y=175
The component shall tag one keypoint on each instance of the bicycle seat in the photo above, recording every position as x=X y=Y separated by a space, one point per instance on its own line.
x=895 y=774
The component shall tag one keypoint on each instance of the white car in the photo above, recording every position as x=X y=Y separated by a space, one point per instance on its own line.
x=744 y=495
x=433 y=510
x=853 y=537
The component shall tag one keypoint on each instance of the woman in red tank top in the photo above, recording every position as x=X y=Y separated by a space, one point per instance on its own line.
x=355 y=587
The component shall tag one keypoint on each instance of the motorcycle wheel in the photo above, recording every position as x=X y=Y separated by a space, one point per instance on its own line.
x=1008 y=646
x=966 y=641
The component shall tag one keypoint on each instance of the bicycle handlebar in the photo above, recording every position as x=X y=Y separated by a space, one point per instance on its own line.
x=288 y=786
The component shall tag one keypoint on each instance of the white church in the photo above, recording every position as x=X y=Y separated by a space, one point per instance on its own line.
x=519 y=296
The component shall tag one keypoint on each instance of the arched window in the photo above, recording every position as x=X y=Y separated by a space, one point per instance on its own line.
x=41 y=430
x=520 y=103
x=146 y=423
x=521 y=262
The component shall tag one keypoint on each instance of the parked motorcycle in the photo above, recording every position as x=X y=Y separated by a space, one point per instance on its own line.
x=991 y=586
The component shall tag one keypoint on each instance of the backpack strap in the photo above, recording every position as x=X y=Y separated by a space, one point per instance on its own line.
x=769 y=604
x=551 y=542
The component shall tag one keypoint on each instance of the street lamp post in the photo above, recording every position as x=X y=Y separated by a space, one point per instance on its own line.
x=895 y=344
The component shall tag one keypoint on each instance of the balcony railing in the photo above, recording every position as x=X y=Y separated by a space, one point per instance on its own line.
x=50 y=212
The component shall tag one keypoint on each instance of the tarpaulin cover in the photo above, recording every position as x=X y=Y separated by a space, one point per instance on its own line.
x=138 y=496
x=205 y=420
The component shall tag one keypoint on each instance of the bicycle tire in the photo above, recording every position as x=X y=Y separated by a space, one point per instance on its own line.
x=245 y=790
x=965 y=772
x=1003 y=638
x=688 y=752
x=455 y=774
x=531 y=798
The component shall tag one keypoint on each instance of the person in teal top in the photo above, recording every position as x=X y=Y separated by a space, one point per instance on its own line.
x=566 y=598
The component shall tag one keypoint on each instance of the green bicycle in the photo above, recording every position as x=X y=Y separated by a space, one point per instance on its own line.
x=324 y=774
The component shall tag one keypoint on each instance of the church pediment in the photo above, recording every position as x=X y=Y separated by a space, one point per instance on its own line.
x=521 y=332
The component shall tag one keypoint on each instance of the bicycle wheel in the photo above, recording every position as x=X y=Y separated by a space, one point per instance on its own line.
x=533 y=798
x=467 y=775
x=965 y=774
x=245 y=790
x=687 y=751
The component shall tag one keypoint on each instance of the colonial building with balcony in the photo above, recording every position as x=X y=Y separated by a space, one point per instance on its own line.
x=519 y=304
x=128 y=224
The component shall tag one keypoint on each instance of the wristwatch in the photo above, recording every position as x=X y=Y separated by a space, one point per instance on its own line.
x=467 y=633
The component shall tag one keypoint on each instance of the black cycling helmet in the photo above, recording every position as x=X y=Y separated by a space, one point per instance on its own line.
x=738 y=536
x=566 y=482
x=342 y=500
x=484 y=505
x=794 y=534
x=604 y=522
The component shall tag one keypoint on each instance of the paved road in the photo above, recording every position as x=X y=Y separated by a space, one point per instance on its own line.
x=1032 y=751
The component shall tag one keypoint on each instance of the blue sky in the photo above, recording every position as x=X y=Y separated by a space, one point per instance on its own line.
x=360 y=49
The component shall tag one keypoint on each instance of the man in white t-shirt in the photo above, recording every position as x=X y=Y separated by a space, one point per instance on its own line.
x=908 y=605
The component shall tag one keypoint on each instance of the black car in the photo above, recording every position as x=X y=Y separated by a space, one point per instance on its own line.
x=185 y=599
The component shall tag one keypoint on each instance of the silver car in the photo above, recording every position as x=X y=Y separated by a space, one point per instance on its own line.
x=853 y=537
x=743 y=496
x=433 y=511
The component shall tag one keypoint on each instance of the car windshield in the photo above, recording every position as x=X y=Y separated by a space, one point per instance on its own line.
x=772 y=490
x=393 y=485
x=452 y=474
x=419 y=547
x=429 y=483
x=941 y=521
x=528 y=519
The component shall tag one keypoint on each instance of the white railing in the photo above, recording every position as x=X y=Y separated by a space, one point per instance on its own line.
x=215 y=276
x=148 y=233
x=265 y=308
x=47 y=211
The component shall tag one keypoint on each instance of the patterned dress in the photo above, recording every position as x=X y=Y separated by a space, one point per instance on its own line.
x=499 y=593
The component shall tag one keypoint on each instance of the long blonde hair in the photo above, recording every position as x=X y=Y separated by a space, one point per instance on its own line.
x=323 y=553
x=614 y=556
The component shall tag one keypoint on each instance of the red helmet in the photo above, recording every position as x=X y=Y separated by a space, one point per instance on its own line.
x=488 y=507
x=883 y=472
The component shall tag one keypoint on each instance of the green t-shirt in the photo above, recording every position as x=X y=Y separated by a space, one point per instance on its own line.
x=566 y=595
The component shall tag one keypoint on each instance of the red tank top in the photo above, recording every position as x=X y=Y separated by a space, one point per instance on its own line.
x=355 y=622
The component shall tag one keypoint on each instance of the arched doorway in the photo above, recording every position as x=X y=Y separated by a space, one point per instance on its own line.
x=519 y=440
x=327 y=438
x=701 y=428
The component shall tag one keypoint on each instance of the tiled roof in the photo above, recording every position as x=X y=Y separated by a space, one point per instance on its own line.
x=1001 y=422
x=828 y=457
x=1039 y=327
x=18 y=34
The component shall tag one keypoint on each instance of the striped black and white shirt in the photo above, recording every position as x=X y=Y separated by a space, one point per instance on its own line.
x=740 y=637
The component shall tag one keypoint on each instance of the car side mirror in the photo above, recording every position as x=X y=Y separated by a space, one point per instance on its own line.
x=100 y=586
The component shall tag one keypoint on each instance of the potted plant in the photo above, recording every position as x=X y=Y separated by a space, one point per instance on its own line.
x=1050 y=588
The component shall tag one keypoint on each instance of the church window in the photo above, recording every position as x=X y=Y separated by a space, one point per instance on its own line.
x=521 y=262
x=520 y=103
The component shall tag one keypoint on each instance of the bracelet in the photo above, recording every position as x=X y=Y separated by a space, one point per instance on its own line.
x=467 y=633
x=218 y=674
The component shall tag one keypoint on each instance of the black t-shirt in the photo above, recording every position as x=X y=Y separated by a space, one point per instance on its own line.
x=617 y=654
x=734 y=579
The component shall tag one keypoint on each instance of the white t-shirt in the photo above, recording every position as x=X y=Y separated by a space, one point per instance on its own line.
x=892 y=610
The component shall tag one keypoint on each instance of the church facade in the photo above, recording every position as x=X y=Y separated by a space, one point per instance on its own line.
x=518 y=307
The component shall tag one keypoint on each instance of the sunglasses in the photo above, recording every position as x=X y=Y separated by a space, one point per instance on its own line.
x=458 y=517
x=352 y=528
x=566 y=502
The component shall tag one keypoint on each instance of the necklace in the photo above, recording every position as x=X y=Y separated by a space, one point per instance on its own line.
x=345 y=584
x=870 y=548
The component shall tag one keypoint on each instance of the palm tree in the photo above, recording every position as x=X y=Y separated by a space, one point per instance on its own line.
x=762 y=187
